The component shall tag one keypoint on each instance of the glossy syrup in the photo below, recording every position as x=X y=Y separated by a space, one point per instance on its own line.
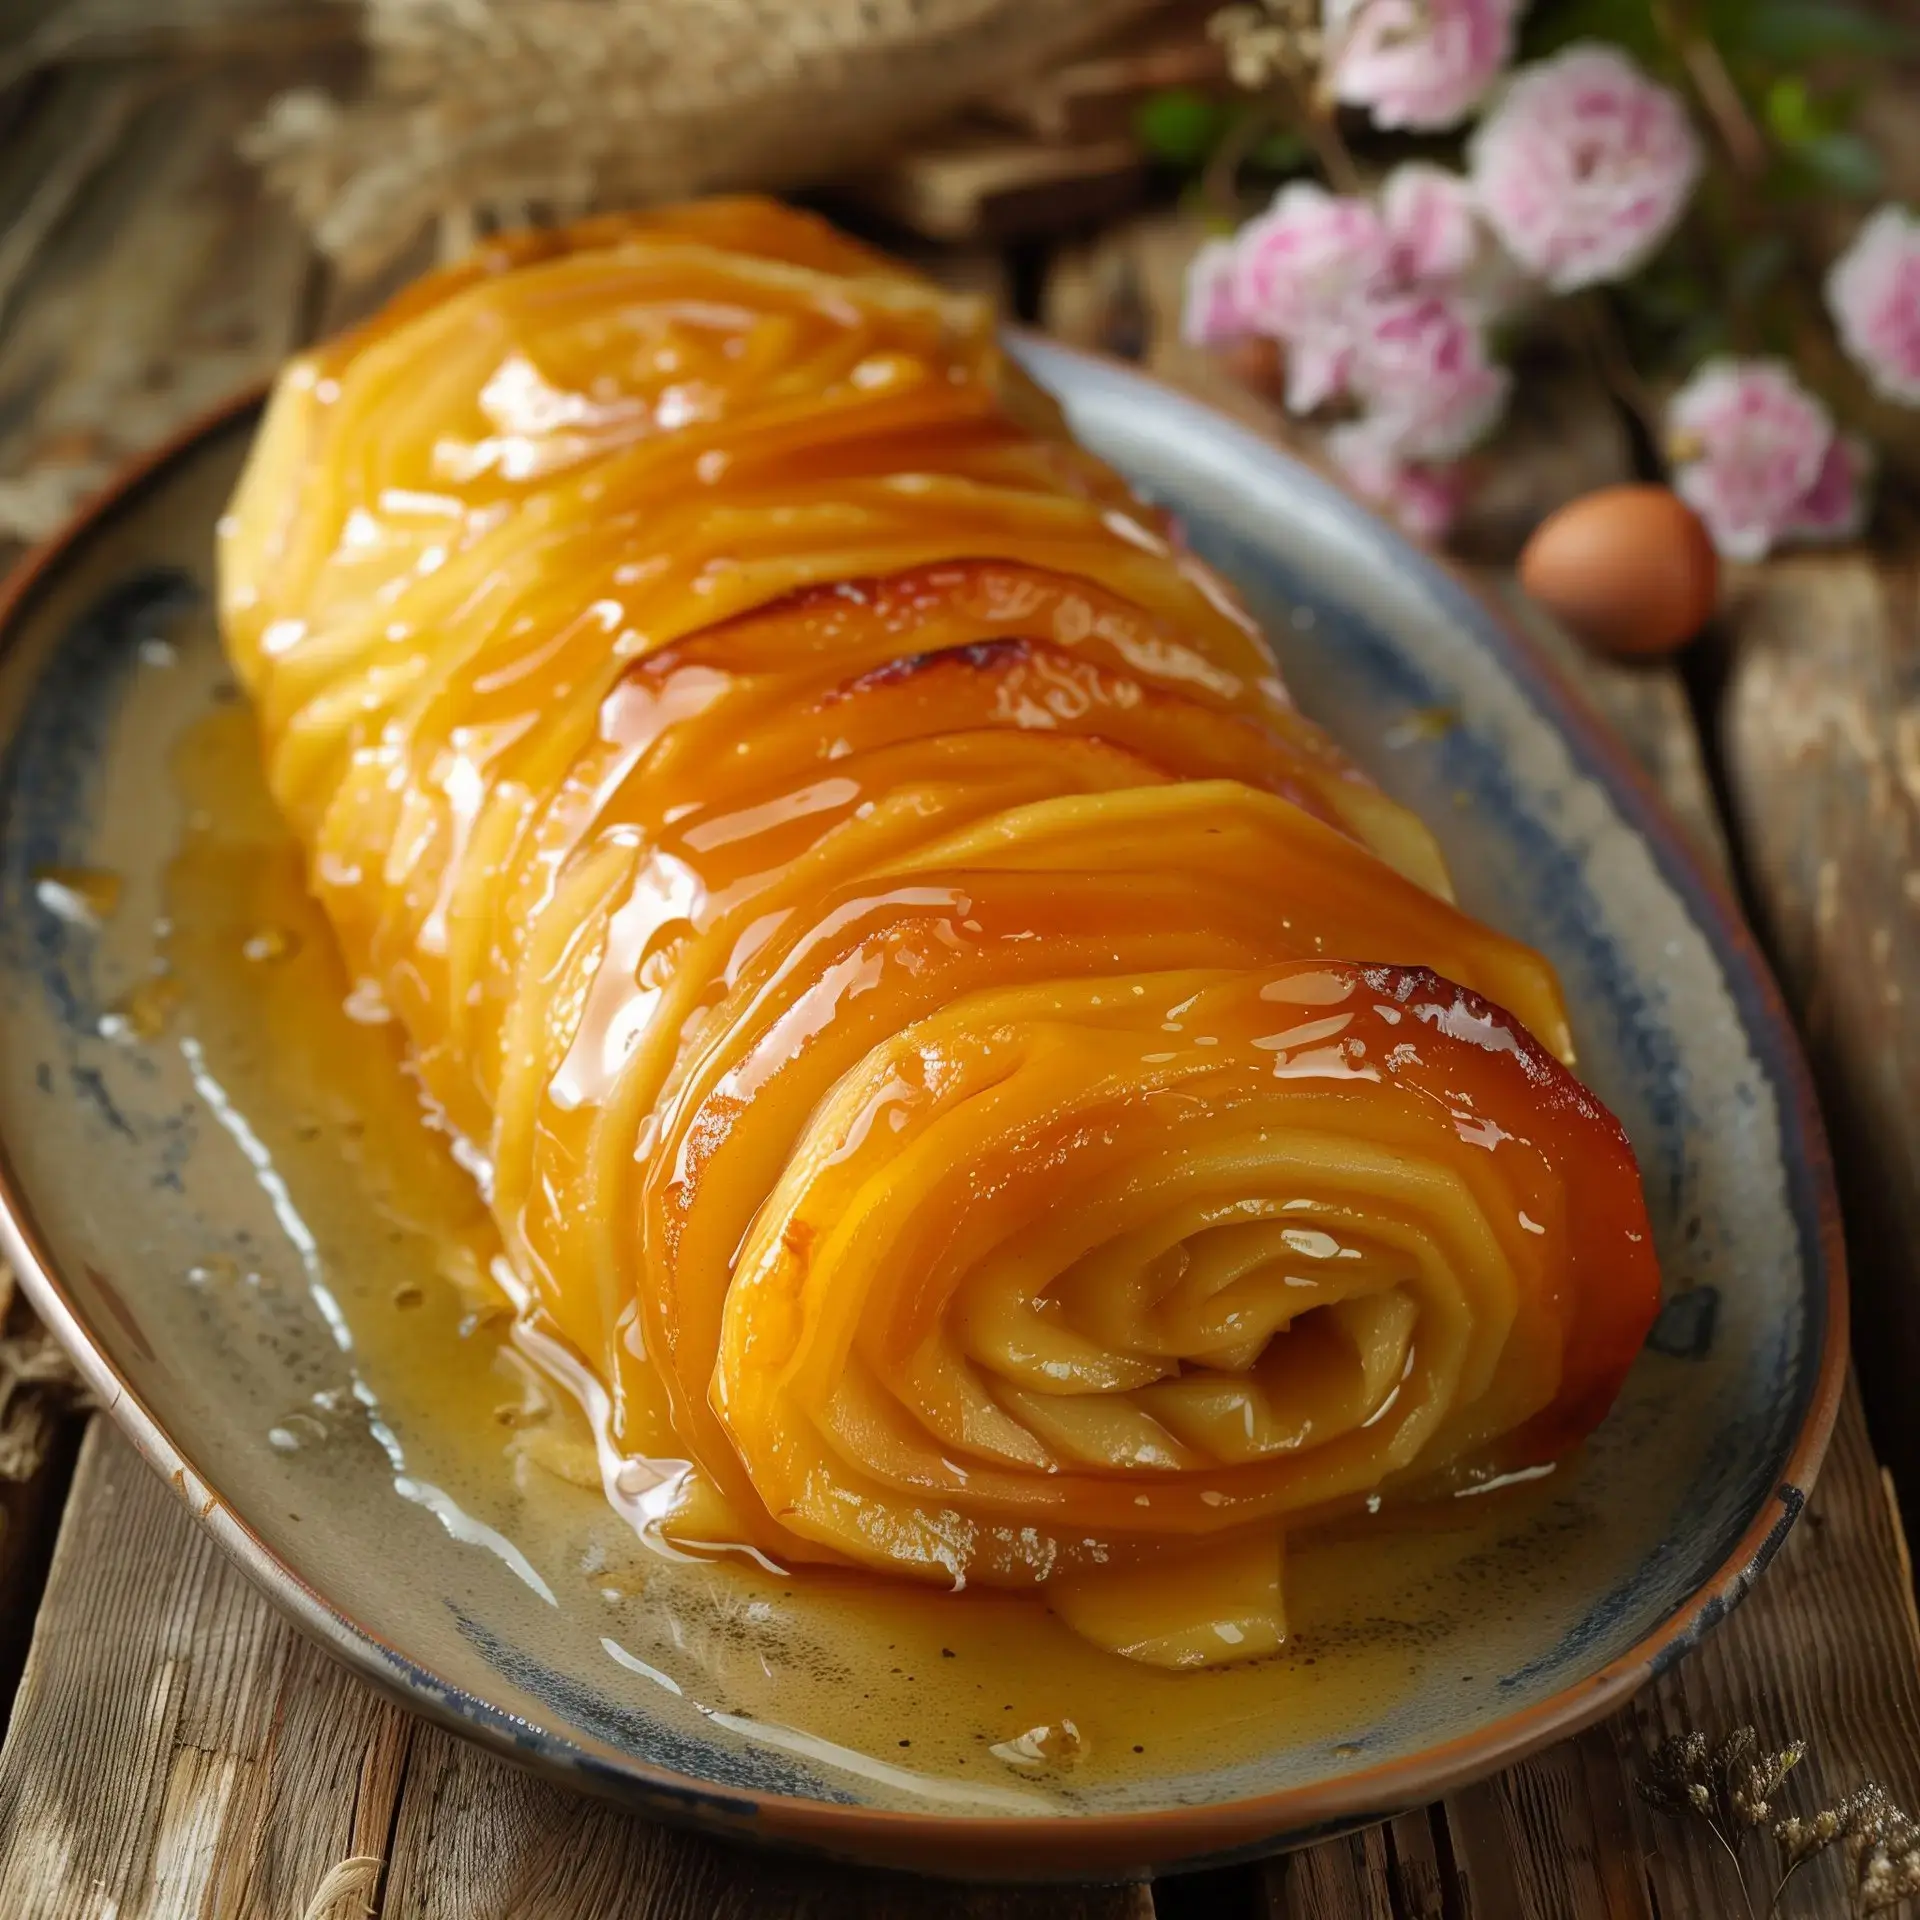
x=984 y=1692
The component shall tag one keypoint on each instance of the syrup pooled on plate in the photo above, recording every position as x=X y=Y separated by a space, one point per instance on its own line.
x=1001 y=1706
x=970 y=1085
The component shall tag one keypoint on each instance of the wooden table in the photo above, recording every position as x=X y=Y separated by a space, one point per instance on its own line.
x=175 y=1750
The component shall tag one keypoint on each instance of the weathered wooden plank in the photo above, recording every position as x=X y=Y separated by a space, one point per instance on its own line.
x=1349 y=1879
x=178 y=1753
x=1095 y=94
x=1646 y=706
x=1526 y=1843
x=174 y=1750
x=977 y=183
x=38 y=1440
x=1487 y=1883
x=1825 y=1647
x=167 y=283
x=1822 y=738
x=1422 y=1882
x=478 y=1840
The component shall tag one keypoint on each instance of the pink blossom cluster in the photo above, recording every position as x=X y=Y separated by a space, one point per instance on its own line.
x=1381 y=304
x=1759 y=459
x=1420 y=64
x=1580 y=170
x=1874 y=295
x=1583 y=167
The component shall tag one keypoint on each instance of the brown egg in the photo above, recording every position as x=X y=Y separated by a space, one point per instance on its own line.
x=1629 y=569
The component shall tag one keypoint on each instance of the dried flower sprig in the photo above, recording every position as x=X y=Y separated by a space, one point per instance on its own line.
x=1732 y=1787
x=1279 y=46
x=1678 y=1779
x=1277 y=40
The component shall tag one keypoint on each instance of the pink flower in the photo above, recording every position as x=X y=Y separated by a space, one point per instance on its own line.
x=1300 y=265
x=1417 y=63
x=1584 y=166
x=1419 y=364
x=1835 y=507
x=1433 y=228
x=1318 y=366
x=1874 y=293
x=1211 y=313
x=1379 y=304
x=1421 y=499
x=1756 y=456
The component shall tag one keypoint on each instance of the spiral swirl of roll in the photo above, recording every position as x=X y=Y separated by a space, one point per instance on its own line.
x=983 y=1087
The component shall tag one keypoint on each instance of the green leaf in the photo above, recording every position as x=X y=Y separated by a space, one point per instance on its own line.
x=1181 y=126
x=1788 y=30
x=1666 y=296
x=1793 y=115
x=1701 y=340
x=1842 y=163
x=1282 y=151
x=1758 y=264
x=1553 y=24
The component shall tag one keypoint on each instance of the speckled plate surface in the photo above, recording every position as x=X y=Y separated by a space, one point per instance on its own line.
x=148 y=1208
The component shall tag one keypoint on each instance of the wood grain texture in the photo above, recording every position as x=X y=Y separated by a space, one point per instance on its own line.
x=479 y=1840
x=1422 y=1879
x=1646 y=706
x=980 y=184
x=166 y=283
x=1825 y=1648
x=174 y=1749
x=1096 y=94
x=177 y=1752
x=34 y=1488
x=1348 y=1879
x=1822 y=740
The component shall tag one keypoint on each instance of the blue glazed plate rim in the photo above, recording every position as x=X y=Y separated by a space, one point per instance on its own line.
x=1104 y=1844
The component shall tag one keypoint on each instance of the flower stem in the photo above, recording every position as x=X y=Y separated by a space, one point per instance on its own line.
x=1322 y=128
x=1773 y=1905
x=1613 y=364
x=1220 y=182
x=1739 y=1878
x=1718 y=93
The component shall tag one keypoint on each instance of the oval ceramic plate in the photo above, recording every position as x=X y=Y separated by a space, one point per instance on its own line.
x=159 y=1232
